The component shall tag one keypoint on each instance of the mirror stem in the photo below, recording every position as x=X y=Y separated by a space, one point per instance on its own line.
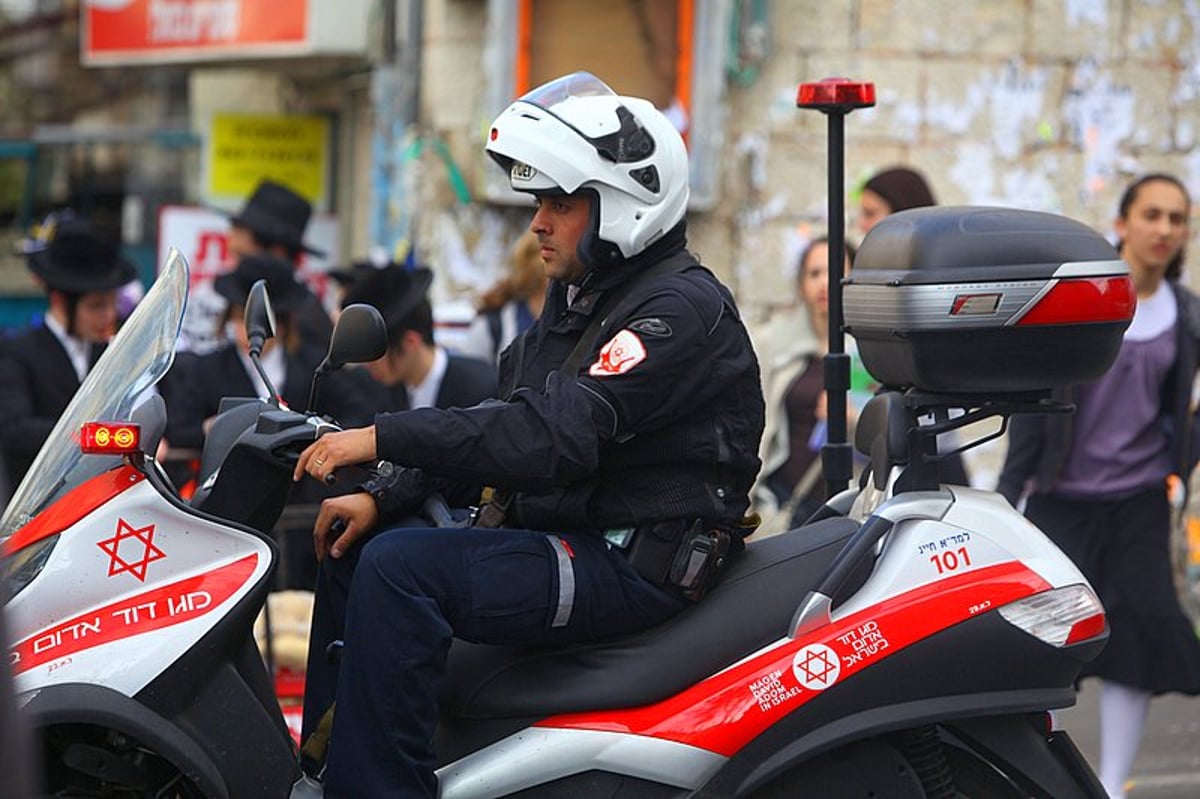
x=314 y=391
x=273 y=394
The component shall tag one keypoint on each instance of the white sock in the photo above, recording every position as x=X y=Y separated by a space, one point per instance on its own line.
x=1122 y=717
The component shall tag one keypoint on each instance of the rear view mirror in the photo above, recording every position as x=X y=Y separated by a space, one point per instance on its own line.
x=259 y=317
x=359 y=336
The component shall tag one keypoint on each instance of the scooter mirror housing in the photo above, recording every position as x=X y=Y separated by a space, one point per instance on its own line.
x=360 y=336
x=259 y=317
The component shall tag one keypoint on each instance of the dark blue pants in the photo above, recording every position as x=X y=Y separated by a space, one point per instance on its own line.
x=409 y=593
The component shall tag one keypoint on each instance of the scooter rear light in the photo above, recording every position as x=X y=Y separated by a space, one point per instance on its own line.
x=1059 y=617
x=108 y=438
x=1086 y=299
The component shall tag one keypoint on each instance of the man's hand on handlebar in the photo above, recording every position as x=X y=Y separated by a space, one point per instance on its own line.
x=334 y=450
x=342 y=521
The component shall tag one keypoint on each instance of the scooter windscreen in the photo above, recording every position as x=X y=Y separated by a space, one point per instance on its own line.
x=137 y=358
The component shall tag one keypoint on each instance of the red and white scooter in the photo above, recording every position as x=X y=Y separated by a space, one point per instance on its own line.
x=907 y=642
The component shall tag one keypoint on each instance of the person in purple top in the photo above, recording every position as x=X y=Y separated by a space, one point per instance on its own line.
x=1097 y=481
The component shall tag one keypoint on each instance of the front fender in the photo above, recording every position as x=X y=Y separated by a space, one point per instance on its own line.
x=83 y=703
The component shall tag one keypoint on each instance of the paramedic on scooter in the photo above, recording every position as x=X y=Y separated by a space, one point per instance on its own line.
x=627 y=443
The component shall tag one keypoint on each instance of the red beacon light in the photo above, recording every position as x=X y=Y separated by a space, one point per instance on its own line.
x=836 y=94
x=110 y=438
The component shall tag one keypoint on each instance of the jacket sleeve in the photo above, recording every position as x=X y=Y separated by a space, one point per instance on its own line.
x=664 y=359
x=535 y=439
x=1025 y=442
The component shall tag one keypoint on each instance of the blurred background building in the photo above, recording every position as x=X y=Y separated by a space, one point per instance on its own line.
x=152 y=115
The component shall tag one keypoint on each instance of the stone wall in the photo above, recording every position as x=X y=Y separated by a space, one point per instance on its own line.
x=1046 y=104
x=1051 y=105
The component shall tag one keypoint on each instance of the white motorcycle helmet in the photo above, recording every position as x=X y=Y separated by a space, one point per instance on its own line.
x=576 y=134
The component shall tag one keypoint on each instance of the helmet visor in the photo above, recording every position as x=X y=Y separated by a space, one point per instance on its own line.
x=558 y=91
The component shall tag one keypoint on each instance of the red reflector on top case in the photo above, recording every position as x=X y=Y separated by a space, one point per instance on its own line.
x=1084 y=299
x=104 y=438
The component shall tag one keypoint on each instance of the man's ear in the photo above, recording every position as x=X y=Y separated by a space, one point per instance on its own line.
x=410 y=340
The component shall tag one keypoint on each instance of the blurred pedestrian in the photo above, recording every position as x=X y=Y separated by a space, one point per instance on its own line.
x=896 y=189
x=416 y=372
x=1097 y=481
x=41 y=369
x=791 y=354
x=511 y=305
x=272 y=222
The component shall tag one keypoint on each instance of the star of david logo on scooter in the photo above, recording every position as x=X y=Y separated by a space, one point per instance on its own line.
x=132 y=550
x=816 y=666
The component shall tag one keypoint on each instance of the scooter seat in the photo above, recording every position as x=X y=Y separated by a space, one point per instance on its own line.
x=751 y=608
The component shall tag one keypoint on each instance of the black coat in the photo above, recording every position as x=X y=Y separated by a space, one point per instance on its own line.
x=37 y=382
x=661 y=420
x=467 y=382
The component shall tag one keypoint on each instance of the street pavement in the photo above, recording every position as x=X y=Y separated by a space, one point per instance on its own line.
x=1168 y=761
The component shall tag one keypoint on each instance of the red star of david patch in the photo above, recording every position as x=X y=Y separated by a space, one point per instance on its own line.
x=131 y=549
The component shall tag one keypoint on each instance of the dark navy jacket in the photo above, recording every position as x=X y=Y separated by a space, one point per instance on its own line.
x=661 y=420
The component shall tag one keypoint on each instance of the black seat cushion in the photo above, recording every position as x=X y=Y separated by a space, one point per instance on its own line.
x=750 y=609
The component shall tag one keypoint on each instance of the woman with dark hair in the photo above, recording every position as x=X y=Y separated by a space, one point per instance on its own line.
x=890 y=191
x=1097 y=480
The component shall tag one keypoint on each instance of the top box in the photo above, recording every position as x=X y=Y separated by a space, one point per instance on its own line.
x=975 y=300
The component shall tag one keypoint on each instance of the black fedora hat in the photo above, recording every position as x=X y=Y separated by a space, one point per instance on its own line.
x=347 y=276
x=286 y=293
x=68 y=255
x=393 y=289
x=276 y=212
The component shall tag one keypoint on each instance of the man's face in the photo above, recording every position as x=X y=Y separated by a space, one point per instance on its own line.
x=399 y=363
x=95 y=316
x=240 y=242
x=559 y=223
x=1155 y=228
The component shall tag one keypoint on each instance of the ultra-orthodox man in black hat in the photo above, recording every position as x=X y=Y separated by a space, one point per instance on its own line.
x=273 y=222
x=41 y=369
x=416 y=372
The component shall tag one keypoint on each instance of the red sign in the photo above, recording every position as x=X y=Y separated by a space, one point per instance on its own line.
x=163 y=30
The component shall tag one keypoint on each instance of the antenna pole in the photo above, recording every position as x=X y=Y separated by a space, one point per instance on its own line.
x=836 y=97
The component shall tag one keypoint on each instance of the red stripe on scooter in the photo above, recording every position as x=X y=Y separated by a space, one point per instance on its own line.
x=73 y=506
x=165 y=606
x=723 y=713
